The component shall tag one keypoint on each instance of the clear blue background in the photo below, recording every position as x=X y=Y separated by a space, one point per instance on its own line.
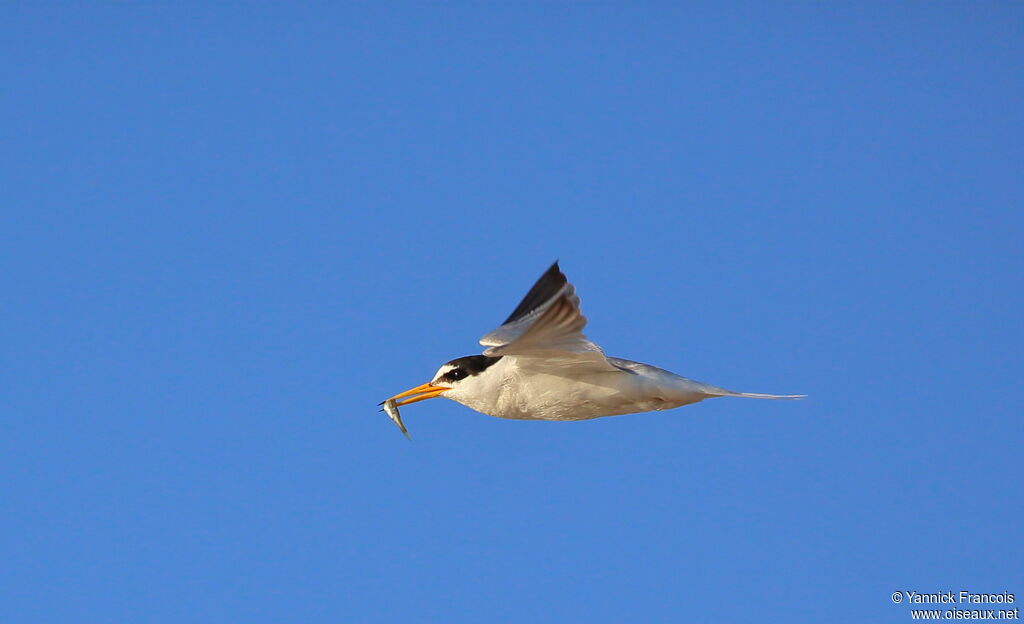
x=229 y=231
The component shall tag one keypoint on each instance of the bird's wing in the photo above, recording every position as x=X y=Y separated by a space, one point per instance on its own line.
x=545 y=329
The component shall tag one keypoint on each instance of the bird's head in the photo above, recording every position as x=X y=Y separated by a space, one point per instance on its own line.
x=458 y=380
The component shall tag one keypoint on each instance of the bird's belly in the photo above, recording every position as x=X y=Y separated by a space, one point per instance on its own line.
x=562 y=399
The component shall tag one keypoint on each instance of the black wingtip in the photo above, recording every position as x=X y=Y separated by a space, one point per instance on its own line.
x=546 y=287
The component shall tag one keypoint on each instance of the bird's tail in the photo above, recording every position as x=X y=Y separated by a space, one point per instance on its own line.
x=722 y=392
x=754 y=395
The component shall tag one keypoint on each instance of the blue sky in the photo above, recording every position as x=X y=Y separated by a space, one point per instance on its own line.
x=230 y=230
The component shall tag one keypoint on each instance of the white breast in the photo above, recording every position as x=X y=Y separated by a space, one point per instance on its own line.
x=511 y=389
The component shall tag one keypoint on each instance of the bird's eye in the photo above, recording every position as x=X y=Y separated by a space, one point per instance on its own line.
x=456 y=374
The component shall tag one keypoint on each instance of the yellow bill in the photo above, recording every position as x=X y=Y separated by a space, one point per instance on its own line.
x=419 y=393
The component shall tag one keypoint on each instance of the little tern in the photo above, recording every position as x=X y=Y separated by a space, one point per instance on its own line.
x=538 y=365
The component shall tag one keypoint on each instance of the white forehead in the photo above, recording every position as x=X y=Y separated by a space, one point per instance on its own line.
x=444 y=369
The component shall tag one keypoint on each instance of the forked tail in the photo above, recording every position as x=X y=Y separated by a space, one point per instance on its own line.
x=717 y=392
x=754 y=395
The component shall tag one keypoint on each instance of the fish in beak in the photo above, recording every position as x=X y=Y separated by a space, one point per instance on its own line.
x=419 y=393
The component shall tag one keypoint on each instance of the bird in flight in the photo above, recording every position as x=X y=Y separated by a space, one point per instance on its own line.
x=538 y=365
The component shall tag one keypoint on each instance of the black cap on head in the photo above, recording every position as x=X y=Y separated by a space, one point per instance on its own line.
x=467 y=366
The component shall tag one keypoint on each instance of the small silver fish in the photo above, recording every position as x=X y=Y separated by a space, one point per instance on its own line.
x=391 y=409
